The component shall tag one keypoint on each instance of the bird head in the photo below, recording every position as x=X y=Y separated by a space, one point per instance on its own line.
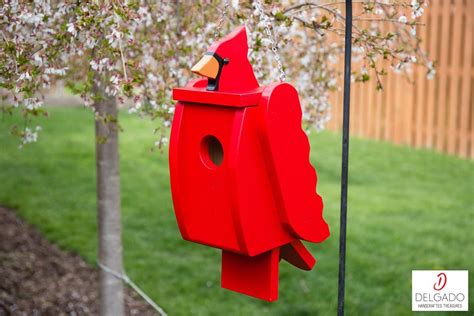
x=226 y=66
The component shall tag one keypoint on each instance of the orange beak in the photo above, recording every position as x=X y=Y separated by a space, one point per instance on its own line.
x=208 y=67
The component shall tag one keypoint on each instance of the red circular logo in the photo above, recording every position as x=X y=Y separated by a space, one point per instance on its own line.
x=441 y=283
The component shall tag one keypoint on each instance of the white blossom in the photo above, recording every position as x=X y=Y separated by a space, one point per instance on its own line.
x=88 y=102
x=114 y=38
x=91 y=42
x=29 y=136
x=94 y=65
x=71 y=29
x=115 y=80
x=431 y=71
x=24 y=76
x=235 y=4
x=402 y=19
x=54 y=71
x=32 y=103
x=136 y=106
x=37 y=60
x=417 y=9
x=31 y=18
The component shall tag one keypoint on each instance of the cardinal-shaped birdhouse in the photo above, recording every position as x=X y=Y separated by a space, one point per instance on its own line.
x=241 y=178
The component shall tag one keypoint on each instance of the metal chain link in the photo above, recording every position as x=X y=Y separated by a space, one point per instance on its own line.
x=271 y=37
x=221 y=20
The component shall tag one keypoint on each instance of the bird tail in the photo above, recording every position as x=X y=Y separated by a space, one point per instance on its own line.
x=297 y=254
x=258 y=276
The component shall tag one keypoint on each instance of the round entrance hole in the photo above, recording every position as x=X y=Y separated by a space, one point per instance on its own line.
x=211 y=151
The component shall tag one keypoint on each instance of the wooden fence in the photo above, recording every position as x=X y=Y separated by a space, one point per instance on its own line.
x=437 y=113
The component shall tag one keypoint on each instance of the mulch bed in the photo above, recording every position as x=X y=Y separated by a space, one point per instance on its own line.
x=37 y=278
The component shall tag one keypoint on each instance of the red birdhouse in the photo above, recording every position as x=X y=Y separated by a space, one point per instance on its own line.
x=241 y=178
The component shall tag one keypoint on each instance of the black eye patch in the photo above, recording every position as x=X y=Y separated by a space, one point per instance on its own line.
x=213 y=84
x=220 y=60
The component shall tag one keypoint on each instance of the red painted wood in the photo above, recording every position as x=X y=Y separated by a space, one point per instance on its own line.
x=297 y=254
x=255 y=276
x=259 y=194
x=287 y=151
x=200 y=95
x=237 y=75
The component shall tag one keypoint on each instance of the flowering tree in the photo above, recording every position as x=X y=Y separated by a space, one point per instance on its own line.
x=145 y=49
x=131 y=53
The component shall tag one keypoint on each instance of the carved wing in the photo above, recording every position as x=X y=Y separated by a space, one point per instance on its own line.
x=286 y=149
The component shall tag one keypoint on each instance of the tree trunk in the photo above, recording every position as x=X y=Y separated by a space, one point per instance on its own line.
x=108 y=205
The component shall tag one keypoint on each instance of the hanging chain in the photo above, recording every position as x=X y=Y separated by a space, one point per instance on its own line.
x=271 y=37
x=221 y=20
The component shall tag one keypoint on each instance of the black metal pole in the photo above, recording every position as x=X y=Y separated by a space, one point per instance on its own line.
x=345 y=158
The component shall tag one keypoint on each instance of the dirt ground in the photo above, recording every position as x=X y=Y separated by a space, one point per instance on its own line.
x=37 y=278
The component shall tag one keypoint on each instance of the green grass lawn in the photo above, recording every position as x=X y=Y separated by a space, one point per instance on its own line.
x=408 y=209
